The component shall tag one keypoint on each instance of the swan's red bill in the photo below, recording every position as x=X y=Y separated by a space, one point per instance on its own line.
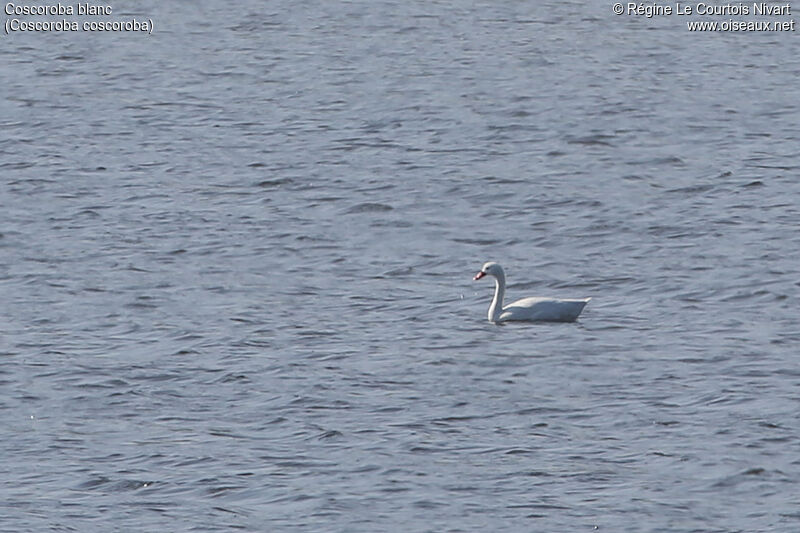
x=479 y=275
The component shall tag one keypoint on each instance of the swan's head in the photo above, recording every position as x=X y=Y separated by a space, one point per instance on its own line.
x=490 y=269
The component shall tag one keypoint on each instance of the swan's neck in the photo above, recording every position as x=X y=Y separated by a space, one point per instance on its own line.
x=496 y=308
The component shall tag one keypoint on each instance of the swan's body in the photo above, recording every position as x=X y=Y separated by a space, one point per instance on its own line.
x=528 y=309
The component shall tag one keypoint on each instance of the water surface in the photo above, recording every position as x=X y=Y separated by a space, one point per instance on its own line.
x=236 y=261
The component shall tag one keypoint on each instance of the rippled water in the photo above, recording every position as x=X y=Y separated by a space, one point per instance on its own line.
x=236 y=261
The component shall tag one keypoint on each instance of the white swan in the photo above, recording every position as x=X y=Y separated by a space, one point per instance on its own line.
x=530 y=309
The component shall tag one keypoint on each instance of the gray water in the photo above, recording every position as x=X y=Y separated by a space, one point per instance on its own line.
x=236 y=263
